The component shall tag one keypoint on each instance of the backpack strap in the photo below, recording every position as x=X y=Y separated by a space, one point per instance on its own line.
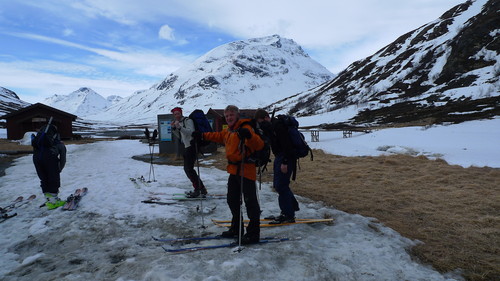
x=294 y=172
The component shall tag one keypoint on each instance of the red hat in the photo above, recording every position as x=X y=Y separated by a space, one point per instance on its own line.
x=176 y=109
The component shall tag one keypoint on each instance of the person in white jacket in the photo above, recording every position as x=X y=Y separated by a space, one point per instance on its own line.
x=183 y=127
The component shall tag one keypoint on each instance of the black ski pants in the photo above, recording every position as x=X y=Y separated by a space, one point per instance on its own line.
x=189 y=161
x=286 y=199
x=47 y=169
x=251 y=203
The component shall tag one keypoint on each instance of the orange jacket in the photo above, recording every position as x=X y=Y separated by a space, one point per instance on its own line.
x=229 y=137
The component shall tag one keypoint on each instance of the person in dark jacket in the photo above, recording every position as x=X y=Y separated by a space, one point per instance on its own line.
x=285 y=163
x=49 y=157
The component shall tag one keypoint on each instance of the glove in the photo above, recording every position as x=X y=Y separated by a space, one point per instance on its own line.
x=244 y=133
x=197 y=135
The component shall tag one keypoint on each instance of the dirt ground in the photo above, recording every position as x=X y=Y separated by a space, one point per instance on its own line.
x=453 y=211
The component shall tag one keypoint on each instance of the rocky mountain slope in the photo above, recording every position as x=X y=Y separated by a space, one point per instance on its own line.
x=445 y=71
x=9 y=101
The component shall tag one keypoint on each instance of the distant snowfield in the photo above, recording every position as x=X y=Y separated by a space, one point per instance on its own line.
x=109 y=236
x=473 y=143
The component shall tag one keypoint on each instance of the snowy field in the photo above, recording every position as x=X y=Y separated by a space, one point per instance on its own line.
x=109 y=236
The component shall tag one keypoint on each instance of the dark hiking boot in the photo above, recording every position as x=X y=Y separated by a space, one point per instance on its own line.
x=283 y=219
x=196 y=194
x=250 y=239
x=231 y=233
x=272 y=217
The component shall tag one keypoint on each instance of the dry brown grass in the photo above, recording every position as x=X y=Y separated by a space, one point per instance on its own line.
x=454 y=211
x=8 y=145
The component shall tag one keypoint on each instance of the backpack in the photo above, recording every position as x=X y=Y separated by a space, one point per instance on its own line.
x=300 y=146
x=201 y=124
x=263 y=156
x=46 y=137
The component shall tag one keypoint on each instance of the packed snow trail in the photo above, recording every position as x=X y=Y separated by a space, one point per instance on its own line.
x=109 y=236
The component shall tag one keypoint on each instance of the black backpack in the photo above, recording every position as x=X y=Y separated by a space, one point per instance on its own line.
x=300 y=146
x=201 y=124
x=263 y=156
x=46 y=137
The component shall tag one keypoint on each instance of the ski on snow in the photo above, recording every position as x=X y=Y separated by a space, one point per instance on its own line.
x=153 y=201
x=74 y=199
x=174 y=198
x=139 y=179
x=8 y=212
x=227 y=245
x=12 y=205
x=184 y=197
x=198 y=238
x=16 y=204
x=267 y=222
x=6 y=216
x=29 y=200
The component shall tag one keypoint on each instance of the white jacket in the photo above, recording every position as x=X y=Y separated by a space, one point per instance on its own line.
x=184 y=131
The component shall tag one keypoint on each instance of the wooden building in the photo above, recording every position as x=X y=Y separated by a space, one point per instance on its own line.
x=218 y=116
x=33 y=117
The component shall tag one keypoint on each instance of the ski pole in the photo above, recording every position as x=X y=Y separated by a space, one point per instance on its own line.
x=43 y=135
x=151 y=166
x=242 y=143
x=199 y=185
x=48 y=124
x=260 y=187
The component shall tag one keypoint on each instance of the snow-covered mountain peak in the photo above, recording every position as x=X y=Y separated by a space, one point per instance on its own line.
x=81 y=102
x=248 y=73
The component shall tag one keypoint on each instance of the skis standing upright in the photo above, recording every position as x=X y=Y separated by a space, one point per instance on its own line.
x=151 y=142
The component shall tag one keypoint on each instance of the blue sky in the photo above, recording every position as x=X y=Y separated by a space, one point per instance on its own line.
x=117 y=47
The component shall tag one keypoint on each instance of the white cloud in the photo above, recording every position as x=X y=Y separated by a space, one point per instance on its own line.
x=41 y=85
x=167 y=33
x=68 y=32
x=315 y=23
x=141 y=61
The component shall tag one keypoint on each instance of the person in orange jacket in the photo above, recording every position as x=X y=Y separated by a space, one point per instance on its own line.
x=240 y=141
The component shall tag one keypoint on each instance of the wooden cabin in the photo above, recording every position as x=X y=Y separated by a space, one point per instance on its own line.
x=33 y=117
x=218 y=116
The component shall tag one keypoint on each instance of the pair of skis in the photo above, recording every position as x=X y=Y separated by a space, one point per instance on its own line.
x=8 y=211
x=140 y=179
x=226 y=223
x=272 y=223
x=74 y=199
x=264 y=240
x=180 y=197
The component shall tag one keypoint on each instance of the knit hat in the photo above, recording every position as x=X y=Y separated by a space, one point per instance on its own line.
x=176 y=109
x=261 y=114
